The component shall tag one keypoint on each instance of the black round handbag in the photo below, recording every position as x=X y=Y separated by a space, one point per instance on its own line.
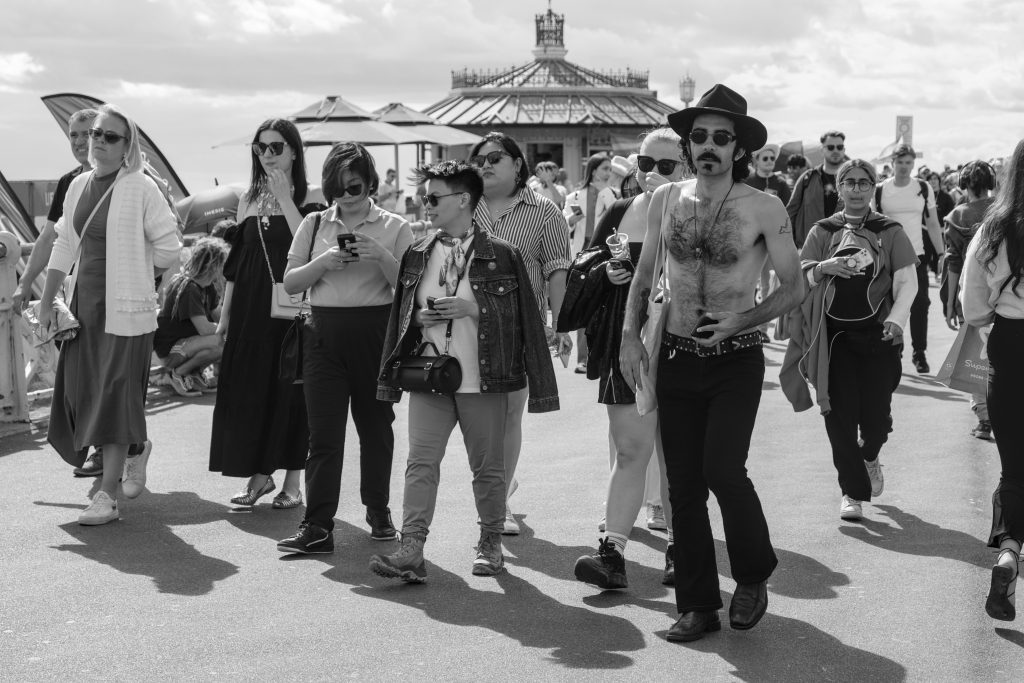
x=437 y=374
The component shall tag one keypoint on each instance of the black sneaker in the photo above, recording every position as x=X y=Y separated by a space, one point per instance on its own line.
x=921 y=363
x=381 y=528
x=669 y=577
x=606 y=569
x=309 y=539
x=93 y=465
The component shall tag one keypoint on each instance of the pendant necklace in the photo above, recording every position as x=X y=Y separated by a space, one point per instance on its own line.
x=698 y=250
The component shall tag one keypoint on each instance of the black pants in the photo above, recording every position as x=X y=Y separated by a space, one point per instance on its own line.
x=707 y=408
x=863 y=372
x=1006 y=377
x=342 y=350
x=919 y=309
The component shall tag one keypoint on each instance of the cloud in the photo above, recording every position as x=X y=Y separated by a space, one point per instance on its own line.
x=17 y=68
x=291 y=17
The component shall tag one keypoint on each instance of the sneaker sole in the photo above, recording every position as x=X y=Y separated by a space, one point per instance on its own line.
x=407 y=575
x=585 y=574
x=392 y=537
x=851 y=516
x=304 y=551
x=83 y=475
x=655 y=526
x=98 y=522
x=510 y=531
x=997 y=605
x=487 y=570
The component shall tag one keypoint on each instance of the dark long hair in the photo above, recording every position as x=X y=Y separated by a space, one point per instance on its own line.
x=1004 y=220
x=593 y=163
x=291 y=135
x=511 y=147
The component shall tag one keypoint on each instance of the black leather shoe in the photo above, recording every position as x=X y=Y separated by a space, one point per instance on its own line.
x=92 y=467
x=749 y=603
x=381 y=528
x=668 y=578
x=921 y=363
x=693 y=625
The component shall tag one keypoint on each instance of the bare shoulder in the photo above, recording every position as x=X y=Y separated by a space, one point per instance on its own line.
x=768 y=212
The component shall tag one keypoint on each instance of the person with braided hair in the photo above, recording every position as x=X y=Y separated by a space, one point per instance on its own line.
x=186 y=335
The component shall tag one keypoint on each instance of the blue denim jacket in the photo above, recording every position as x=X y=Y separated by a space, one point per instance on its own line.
x=512 y=348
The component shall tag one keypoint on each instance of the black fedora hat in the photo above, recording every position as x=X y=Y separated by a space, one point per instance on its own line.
x=724 y=101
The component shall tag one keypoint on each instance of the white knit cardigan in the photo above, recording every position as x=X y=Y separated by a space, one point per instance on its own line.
x=142 y=234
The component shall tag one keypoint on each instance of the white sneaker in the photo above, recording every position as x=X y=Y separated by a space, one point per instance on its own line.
x=656 y=518
x=850 y=509
x=875 y=475
x=511 y=525
x=103 y=509
x=134 y=479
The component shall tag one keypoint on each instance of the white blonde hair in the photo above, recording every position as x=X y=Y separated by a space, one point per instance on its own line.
x=133 y=160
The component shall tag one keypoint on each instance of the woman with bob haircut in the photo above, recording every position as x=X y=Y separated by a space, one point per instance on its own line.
x=993 y=293
x=347 y=257
x=848 y=333
x=116 y=233
x=259 y=422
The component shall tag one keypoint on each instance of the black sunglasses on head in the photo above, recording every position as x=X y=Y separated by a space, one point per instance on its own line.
x=721 y=138
x=665 y=166
x=260 y=148
x=491 y=158
x=109 y=136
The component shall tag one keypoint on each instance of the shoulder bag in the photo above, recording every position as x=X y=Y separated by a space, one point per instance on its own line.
x=290 y=364
x=438 y=374
x=646 y=399
x=283 y=306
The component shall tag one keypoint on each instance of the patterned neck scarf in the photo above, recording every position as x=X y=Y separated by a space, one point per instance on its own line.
x=454 y=263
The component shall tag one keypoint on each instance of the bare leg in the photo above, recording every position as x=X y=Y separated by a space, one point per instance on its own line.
x=634 y=443
x=114 y=455
x=292 y=483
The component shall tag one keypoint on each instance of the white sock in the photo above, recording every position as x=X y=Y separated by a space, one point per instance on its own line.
x=619 y=541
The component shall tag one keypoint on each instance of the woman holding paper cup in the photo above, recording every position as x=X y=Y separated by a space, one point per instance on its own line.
x=993 y=292
x=631 y=437
x=116 y=232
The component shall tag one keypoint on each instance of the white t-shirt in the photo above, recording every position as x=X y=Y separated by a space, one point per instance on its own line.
x=905 y=205
x=464 y=344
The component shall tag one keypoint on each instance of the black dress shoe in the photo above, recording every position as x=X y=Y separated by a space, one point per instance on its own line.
x=749 y=603
x=693 y=625
x=921 y=363
x=381 y=528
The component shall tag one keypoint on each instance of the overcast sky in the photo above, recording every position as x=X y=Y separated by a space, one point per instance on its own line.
x=195 y=73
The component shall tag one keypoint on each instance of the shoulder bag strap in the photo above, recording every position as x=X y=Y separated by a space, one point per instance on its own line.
x=85 y=226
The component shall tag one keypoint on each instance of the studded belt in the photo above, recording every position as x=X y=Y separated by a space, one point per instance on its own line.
x=674 y=343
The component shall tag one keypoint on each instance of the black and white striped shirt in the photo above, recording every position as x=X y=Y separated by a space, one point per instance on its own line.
x=535 y=226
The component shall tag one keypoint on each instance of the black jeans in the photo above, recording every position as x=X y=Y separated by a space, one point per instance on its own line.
x=342 y=349
x=919 y=309
x=1006 y=377
x=863 y=372
x=707 y=408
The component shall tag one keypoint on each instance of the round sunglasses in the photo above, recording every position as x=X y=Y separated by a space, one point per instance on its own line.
x=665 y=166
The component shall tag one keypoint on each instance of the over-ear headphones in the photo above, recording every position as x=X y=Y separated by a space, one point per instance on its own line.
x=978 y=175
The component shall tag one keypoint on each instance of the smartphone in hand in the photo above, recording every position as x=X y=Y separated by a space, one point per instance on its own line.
x=345 y=240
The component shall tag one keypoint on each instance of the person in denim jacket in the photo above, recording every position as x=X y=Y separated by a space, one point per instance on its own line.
x=462 y=277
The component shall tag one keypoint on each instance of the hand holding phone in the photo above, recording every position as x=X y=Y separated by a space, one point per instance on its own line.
x=432 y=303
x=705 y=334
x=345 y=242
x=576 y=209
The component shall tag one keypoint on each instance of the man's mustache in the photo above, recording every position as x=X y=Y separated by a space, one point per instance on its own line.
x=709 y=156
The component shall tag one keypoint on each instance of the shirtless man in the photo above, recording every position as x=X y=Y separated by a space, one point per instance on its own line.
x=717 y=234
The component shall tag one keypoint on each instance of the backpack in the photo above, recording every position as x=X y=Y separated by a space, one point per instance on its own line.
x=922 y=191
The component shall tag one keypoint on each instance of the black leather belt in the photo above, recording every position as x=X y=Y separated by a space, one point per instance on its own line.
x=674 y=343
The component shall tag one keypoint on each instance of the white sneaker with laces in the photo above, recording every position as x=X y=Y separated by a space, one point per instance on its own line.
x=103 y=509
x=874 y=469
x=656 y=518
x=134 y=479
x=850 y=509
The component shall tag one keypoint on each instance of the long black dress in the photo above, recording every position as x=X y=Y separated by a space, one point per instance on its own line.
x=259 y=422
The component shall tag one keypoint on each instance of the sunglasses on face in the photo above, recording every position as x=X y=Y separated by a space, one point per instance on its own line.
x=355 y=189
x=665 y=166
x=833 y=148
x=767 y=158
x=109 y=136
x=260 y=148
x=432 y=199
x=863 y=184
x=721 y=138
x=491 y=158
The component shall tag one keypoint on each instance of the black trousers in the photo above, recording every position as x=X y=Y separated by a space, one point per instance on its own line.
x=863 y=372
x=342 y=349
x=707 y=408
x=1006 y=377
x=919 y=309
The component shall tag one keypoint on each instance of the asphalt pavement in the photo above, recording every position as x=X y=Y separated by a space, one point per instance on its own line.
x=185 y=587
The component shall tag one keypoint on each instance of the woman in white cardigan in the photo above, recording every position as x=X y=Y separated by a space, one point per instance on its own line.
x=116 y=233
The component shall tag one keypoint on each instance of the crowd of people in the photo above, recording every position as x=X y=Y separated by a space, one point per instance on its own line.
x=668 y=267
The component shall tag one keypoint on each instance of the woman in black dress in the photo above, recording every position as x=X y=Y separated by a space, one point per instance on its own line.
x=259 y=422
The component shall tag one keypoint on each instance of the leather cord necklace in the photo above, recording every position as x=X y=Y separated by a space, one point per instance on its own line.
x=698 y=250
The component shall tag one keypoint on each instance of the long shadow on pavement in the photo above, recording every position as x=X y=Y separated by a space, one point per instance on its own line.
x=578 y=637
x=914 y=536
x=785 y=649
x=1015 y=637
x=797 y=576
x=912 y=385
x=144 y=543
